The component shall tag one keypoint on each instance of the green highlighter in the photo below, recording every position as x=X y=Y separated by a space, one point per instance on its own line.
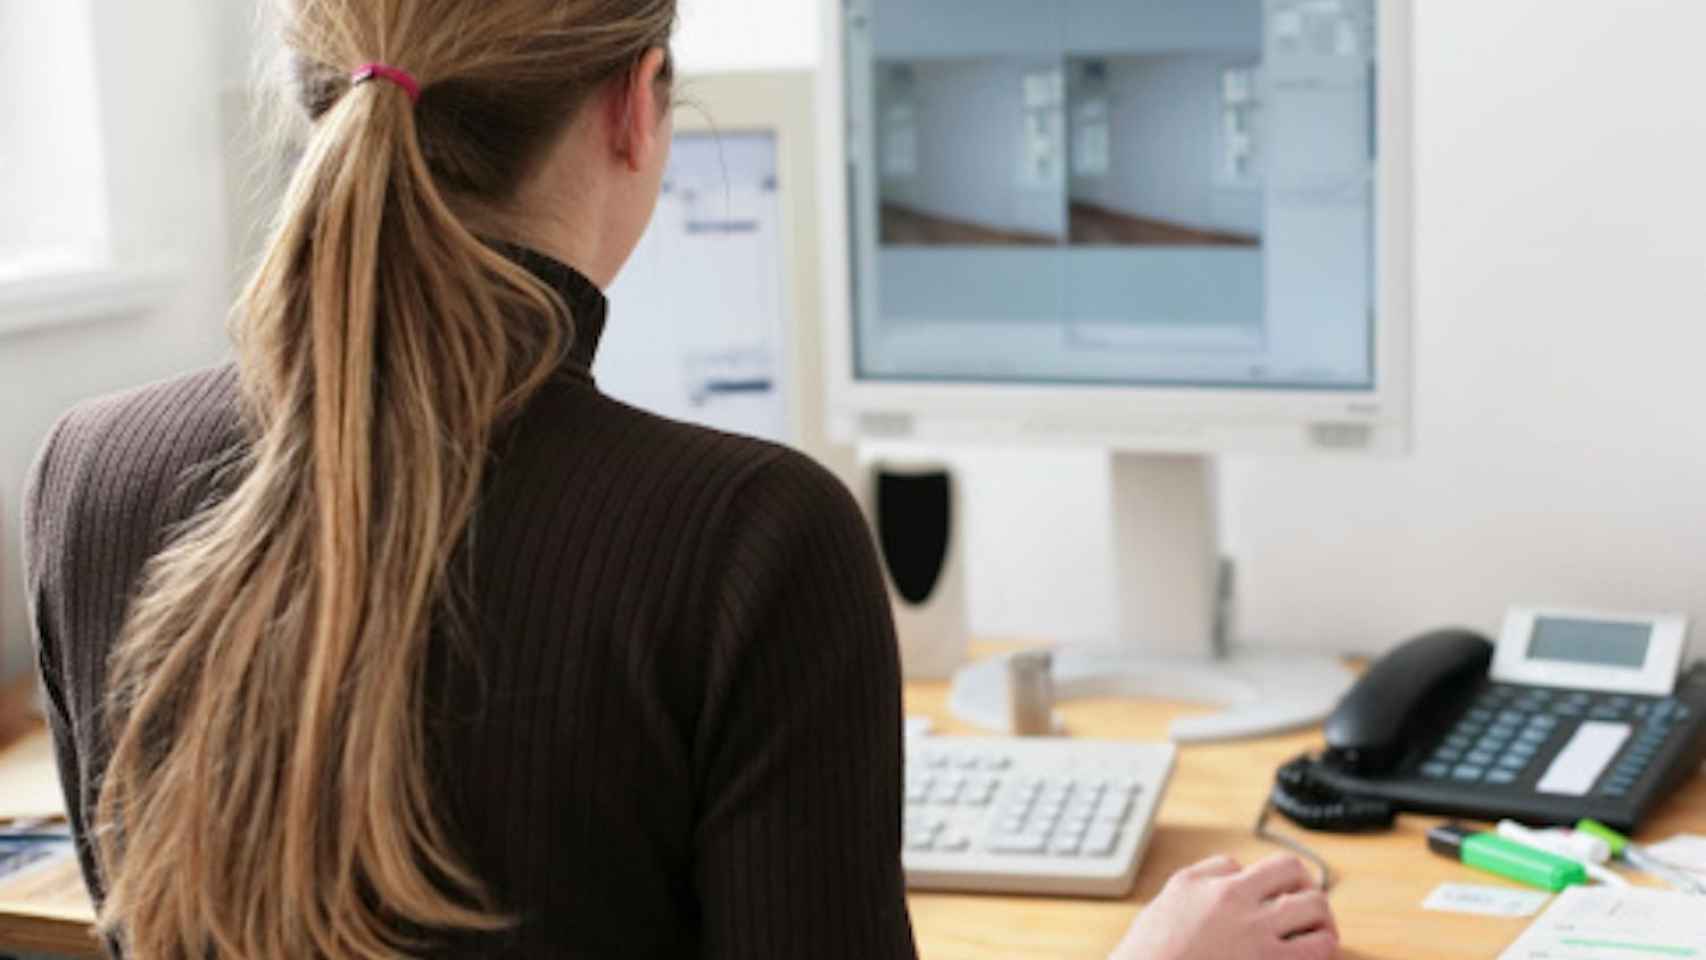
x=1507 y=858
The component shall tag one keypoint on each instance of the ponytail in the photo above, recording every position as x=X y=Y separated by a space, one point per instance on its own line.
x=267 y=793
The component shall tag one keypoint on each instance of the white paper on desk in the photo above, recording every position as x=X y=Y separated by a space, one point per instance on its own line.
x=19 y=860
x=30 y=788
x=1592 y=923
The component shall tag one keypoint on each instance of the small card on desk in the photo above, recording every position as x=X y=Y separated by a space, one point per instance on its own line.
x=1485 y=901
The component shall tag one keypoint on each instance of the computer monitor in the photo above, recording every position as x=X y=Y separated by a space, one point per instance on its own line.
x=1172 y=229
x=715 y=316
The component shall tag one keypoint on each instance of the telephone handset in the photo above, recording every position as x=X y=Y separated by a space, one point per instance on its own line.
x=1451 y=723
x=1405 y=689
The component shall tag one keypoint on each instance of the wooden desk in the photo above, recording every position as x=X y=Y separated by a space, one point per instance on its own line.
x=1210 y=808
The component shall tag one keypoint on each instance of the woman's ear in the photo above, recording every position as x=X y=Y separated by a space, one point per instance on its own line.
x=637 y=111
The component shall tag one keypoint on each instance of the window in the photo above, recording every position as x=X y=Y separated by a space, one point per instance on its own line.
x=900 y=125
x=1240 y=112
x=52 y=173
x=1091 y=127
x=1044 y=100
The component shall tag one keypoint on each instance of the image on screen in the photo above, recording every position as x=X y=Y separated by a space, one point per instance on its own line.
x=1171 y=192
x=1597 y=643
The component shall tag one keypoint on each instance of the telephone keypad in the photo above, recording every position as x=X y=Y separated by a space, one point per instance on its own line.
x=1498 y=739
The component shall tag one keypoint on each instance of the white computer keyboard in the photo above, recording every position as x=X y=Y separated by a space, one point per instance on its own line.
x=1036 y=815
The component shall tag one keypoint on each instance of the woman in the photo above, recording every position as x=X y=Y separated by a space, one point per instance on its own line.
x=397 y=637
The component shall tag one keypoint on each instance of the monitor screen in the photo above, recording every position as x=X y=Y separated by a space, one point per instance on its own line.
x=1171 y=193
x=702 y=329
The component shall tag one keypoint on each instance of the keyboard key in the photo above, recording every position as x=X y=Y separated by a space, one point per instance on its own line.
x=954 y=843
x=1436 y=771
x=1467 y=772
x=1542 y=721
x=1479 y=715
x=1510 y=762
x=1101 y=842
x=968 y=762
x=1447 y=755
x=945 y=794
x=997 y=763
x=1500 y=777
x=1113 y=807
x=1066 y=846
x=936 y=761
x=1531 y=735
x=1480 y=758
x=1018 y=844
x=1458 y=741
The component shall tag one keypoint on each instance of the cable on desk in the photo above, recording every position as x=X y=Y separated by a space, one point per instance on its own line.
x=1295 y=846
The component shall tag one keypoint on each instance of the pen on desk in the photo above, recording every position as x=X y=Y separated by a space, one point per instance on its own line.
x=1636 y=856
x=1507 y=858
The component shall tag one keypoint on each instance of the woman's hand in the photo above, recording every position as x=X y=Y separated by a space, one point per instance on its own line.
x=1216 y=910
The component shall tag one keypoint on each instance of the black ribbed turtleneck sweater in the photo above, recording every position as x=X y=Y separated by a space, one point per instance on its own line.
x=683 y=736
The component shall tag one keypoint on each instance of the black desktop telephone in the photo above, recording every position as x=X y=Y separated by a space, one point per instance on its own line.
x=1570 y=716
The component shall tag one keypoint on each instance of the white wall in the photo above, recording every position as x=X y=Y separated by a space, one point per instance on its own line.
x=720 y=36
x=971 y=128
x=160 y=118
x=1165 y=134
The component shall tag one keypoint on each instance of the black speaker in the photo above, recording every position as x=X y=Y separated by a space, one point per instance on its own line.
x=915 y=510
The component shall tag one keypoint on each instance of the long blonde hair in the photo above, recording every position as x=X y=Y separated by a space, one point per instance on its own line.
x=267 y=793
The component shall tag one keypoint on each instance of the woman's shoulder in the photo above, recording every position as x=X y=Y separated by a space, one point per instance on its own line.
x=127 y=449
x=156 y=413
x=679 y=459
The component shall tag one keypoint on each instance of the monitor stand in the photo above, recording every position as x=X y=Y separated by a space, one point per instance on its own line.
x=1174 y=606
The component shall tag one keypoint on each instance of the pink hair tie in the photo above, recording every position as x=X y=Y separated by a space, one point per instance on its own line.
x=397 y=76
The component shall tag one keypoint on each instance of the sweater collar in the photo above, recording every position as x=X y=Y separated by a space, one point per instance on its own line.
x=588 y=307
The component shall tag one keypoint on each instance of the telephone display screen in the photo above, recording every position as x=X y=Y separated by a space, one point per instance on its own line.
x=1600 y=643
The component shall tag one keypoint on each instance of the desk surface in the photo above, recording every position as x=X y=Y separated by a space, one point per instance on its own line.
x=1210 y=808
